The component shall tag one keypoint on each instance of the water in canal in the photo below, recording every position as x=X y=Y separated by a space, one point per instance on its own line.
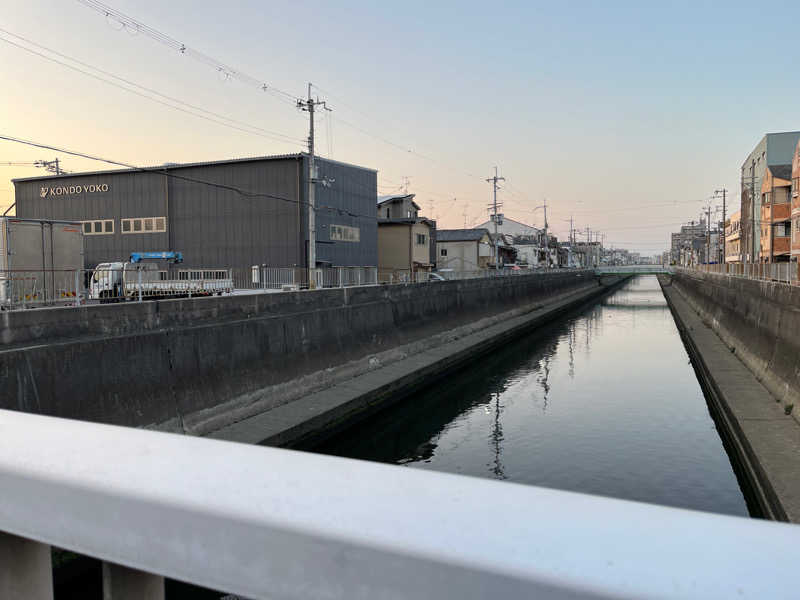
x=604 y=402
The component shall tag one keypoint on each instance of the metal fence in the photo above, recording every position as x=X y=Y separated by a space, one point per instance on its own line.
x=295 y=278
x=401 y=276
x=140 y=282
x=270 y=523
x=785 y=272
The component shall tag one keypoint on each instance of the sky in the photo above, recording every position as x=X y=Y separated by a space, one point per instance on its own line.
x=625 y=116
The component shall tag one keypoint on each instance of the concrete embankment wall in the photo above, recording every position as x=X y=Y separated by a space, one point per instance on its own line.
x=178 y=364
x=758 y=320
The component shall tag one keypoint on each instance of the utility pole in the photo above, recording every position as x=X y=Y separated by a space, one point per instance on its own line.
x=309 y=105
x=546 y=241
x=493 y=181
x=590 y=247
x=464 y=213
x=723 y=191
x=571 y=243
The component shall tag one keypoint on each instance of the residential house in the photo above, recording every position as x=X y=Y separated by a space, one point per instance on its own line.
x=504 y=248
x=733 y=238
x=586 y=254
x=776 y=214
x=463 y=249
x=397 y=206
x=510 y=227
x=406 y=241
x=527 y=253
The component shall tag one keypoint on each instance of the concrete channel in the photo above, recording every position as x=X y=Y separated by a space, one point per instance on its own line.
x=200 y=366
x=763 y=440
x=319 y=415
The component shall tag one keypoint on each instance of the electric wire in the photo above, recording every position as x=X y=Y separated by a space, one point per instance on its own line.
x=251 y=129
x=226 y=71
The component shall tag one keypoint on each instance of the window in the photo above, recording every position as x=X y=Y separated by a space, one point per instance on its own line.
x=795 y=187
x=99 y=227
x=421 y=239
x=783 y=229
x=144 y=225
x=345 y=233
x=443 y=252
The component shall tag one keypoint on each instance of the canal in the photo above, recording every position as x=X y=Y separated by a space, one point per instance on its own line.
x=604 y=401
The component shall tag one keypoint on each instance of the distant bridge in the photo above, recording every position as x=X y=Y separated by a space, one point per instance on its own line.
x=634 y=270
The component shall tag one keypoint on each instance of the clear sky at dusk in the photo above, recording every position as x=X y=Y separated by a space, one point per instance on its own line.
x=625 y=115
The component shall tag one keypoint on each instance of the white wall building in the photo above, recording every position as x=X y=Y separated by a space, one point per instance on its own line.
x=510 y=227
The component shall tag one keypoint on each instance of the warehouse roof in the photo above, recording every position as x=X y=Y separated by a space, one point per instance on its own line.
x=173 y=166
x=460 y=235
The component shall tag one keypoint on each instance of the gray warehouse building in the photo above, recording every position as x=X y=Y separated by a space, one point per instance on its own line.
x=225 y=214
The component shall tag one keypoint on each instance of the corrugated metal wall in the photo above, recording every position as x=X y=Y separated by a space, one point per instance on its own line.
x=211 y=225
x=349 y=200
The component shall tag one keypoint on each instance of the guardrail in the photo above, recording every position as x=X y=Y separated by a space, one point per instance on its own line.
x=401 y=276
x=269 y=523
x=632 y=269
x=786 y=272
x=71 y=287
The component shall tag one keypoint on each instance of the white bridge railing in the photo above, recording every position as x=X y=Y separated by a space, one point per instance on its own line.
x=628 y=269
x=270 y=523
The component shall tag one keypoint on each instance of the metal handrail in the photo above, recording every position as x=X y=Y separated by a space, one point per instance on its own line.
x=270 y=523
x=633 y=269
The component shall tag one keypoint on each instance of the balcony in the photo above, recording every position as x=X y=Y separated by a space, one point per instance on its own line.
x=781 y=212
x=781 y=245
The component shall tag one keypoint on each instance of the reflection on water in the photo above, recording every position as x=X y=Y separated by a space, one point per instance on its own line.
x=605 y=402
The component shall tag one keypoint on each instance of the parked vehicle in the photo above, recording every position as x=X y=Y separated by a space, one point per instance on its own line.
x=40 y=261
x=138 y=280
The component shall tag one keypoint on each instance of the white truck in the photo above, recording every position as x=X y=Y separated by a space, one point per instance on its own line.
x=41 y=262
x=137 y=280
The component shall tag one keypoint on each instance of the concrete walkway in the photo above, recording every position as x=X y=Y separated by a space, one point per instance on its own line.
x=765 y=440
x=325 y=412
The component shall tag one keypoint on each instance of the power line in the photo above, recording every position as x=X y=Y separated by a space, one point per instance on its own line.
x=258 y=130
x=226 y=71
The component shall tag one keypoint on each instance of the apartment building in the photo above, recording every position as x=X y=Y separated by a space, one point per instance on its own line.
x=776 y=226
x=773 y=149
x=795 y=204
